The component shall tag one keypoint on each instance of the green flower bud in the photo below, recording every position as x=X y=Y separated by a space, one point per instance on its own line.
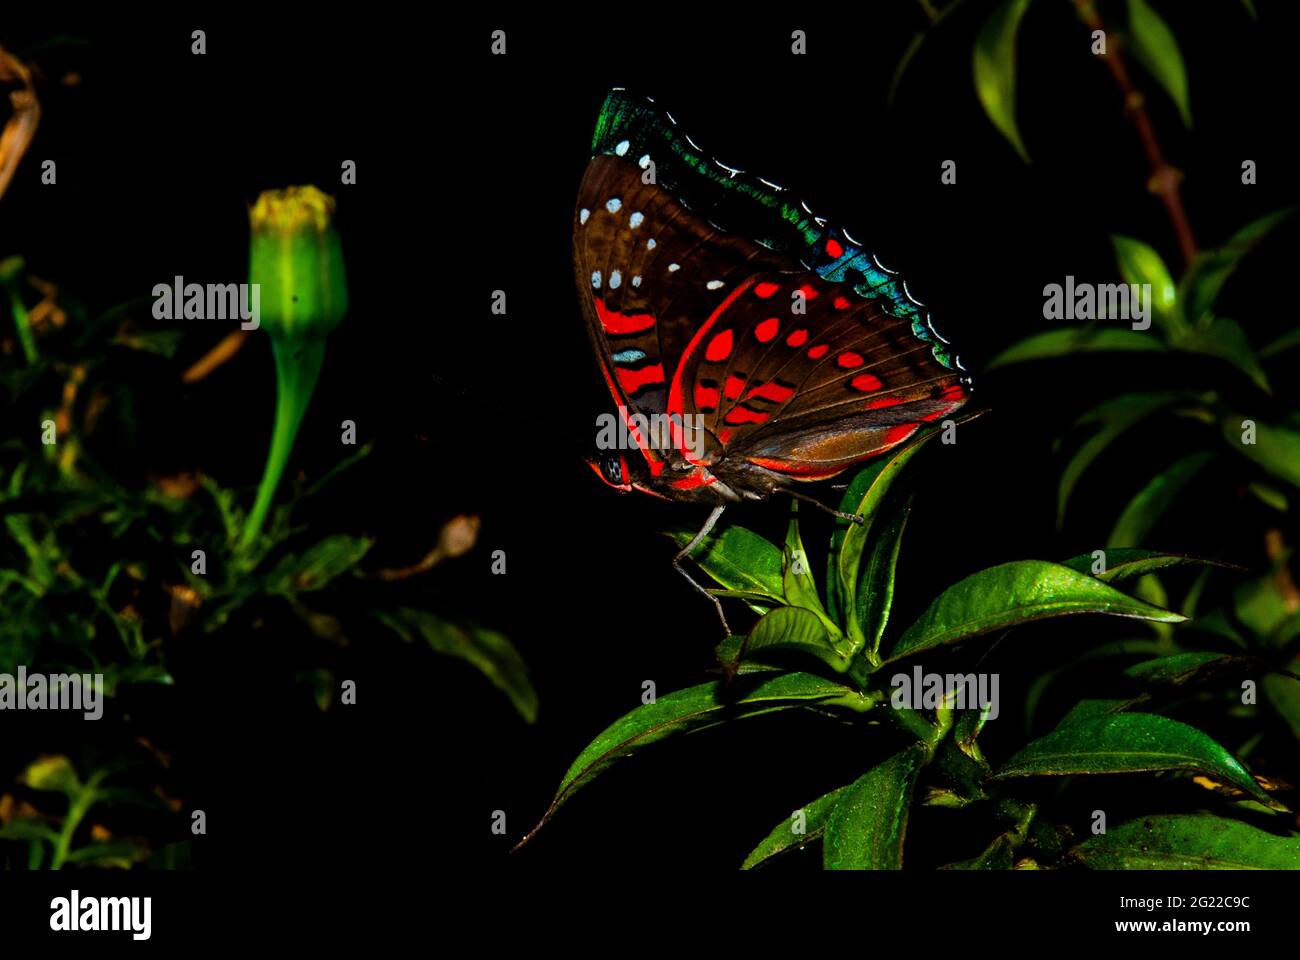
x=297 y=260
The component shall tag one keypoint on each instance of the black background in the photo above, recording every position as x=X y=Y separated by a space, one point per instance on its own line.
x=468 y=166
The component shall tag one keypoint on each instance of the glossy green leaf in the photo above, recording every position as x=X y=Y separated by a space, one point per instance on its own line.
x=794 y=628
x=488 y=651
x=1139 y=263
x=875 y=592
x=1188 y=842
x=995 y=69
x=856 y=536
x=1182 y=668
x=1116 y=416
x=696 y=708
x=1068 y=341
x=1201 y=284
x=784 y=838
x=320 y=564
x=738 y=559
x=1091 y=710
x=798 y=582
x=1151 y=502
x=866 y=828
x=1225 y=339
x=1124 y=563
x=1275 y=448
x=1156 y=48
x=1013 y=593
x=1128 y=743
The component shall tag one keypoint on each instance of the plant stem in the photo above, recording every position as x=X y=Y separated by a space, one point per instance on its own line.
x=22 y=324
x=297 y=368
x=1164 y=177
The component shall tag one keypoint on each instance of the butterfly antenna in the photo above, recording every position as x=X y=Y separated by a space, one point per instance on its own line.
x=851 y=517
x=685 y=552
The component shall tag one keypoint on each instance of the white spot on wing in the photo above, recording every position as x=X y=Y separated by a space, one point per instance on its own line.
x=715 y=284
x=650 y=244
x=634 y=221
x=621 y=149
x=583 y=215
x=614 y=205
x=636 y=281
x=674 y=267
x=615 y=279
x=595 y=279
x=644 y=162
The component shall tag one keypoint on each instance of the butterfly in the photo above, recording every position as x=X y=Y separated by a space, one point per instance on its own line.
x=749 y=344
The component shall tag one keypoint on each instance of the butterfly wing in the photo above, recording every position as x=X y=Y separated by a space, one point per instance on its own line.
x=799 y=352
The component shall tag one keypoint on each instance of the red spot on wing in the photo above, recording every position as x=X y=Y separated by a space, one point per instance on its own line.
x=808 y=292
x=615 y=322
x=766 y=330
x=797 y=339
x=719 y=347
x=706 y=398
x=866 y=382
x=833 y=249
x=850 y=359
x=771 y=391
x=881 y=402
x=842 y=303
x=766 y=289
x=739 y=415
x=734 y=386
x=819 y=351
x=724 y=437
x=633 y=380
x=955 y=392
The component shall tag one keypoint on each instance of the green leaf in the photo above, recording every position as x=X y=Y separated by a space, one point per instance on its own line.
x=881 y=479
x=1013 y=593
x=1116 y=417
x=866 y=828
x=1125 y=563
x=794 y=628
x=1188 y=842
x=799 y=584
x=1287 y=341
x=697 y=708
x=1091 y=710
x=1182 y=668
x=875 y=593
x=1224 y=339
x=1200 y=286
x=320 y=564
x=1275 y=448
x=1156 y=48
x=783 y=837
x=1068 y=341
x=1139 y=263
x=995 y=69
x=999 y=855
x=486 y=650
x=1128 y=743
x=1284 y=694
x=53 y=773
x=1154 y=499
x=738 y=559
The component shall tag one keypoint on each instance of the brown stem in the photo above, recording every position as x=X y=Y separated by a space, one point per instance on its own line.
x=1164 y=177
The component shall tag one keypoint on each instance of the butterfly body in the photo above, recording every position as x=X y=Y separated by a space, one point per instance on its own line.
x=749 y=344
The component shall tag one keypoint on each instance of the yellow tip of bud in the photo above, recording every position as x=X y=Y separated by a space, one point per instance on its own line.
x=291 y=209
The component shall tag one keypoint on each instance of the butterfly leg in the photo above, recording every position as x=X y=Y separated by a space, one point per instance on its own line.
x=685 y=552
x=851 y=517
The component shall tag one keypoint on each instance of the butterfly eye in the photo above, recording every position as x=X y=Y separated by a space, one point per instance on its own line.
x=615 y=475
